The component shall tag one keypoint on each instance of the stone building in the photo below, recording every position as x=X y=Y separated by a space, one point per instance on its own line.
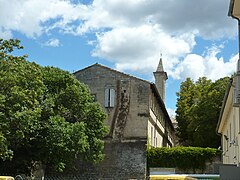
x=137 y=116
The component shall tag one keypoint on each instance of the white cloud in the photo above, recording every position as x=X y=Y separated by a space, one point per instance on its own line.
x=209 y=65
x=52 y=42
x=139 y=48
x=140 y=31
x=171 y=113
x=33 y=17
x=209 y=18
x=5 y=34
x=132 y=33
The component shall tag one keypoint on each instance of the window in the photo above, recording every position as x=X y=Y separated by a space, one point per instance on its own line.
x=152 y=138
x=234 y=126
x=227 y=141
x=230 y=132
x=155 y=137
x=109 y=97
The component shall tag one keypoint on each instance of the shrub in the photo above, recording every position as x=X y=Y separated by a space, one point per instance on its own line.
x=181 y=157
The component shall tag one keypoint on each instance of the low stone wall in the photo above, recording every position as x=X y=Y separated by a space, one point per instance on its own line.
x=123 y=160
x=210 y=168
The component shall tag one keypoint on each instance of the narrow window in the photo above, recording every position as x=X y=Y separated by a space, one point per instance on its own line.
x=234 y=125
x=230 y=131
x=152 y=138
x=227 y=141
x=109 y=97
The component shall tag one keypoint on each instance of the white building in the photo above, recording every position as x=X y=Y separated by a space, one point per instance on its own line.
x=229 y=120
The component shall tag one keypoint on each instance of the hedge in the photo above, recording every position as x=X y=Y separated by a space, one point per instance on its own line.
x=181 y=157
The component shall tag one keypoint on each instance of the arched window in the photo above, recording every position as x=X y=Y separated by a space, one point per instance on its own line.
x=109 y=96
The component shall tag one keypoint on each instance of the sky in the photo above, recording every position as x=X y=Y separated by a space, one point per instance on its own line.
x=195 y=38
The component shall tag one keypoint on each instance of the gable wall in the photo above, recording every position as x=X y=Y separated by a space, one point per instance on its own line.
x=128 y=118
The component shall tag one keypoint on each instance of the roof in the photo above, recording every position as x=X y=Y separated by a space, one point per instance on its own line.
x=160 y=101
x=230 y=7
x=234 y=9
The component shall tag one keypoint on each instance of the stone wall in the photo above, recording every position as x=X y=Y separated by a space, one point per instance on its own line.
x=123 y=160
x=210 y=168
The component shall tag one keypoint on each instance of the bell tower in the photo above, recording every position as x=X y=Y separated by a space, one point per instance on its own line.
x=160 y=79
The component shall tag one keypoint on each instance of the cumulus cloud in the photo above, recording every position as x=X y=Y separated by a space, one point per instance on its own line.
x=139 y=48
x=52 y=42
x=33 y=18
x=209 y=65
x=144 y=29
x=208 y=18
x=131 y=33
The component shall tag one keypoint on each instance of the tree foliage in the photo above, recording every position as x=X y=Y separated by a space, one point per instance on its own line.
x=46 y=115
x=198 y=107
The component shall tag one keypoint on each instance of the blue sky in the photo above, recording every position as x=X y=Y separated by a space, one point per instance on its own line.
x=196 y=38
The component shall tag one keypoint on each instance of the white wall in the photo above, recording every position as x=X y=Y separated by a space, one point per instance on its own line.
x=230 y=130
x=154 y=135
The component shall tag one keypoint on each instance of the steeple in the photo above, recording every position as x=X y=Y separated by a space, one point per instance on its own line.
x=160 y=79
x=160 y=66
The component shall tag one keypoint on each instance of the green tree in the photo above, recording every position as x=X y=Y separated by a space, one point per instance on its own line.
x=184 y=105
x=46 y=115
x=202 y=86
x=198 y=118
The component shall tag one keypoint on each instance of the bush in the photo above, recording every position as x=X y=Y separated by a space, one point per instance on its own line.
x=181 y=157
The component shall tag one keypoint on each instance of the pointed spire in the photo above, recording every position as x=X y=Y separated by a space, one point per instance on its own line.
x=160 y=66
x=160 y=79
